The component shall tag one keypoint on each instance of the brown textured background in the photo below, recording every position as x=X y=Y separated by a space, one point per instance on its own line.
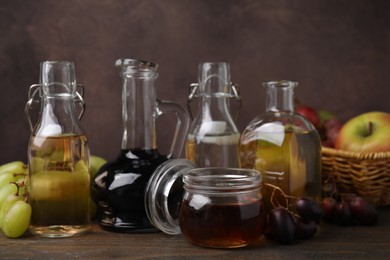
x=338 y=50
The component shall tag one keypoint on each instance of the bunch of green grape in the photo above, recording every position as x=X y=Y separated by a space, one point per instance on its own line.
x=15 y=212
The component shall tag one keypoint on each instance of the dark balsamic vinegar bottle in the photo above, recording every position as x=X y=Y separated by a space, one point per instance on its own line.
x=119 y=186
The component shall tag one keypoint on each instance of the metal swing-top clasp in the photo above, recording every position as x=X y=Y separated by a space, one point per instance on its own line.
x=36 y=89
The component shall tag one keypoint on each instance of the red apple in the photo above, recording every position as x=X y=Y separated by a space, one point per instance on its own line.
x=331 y=129
x=368 y=132
x=310 y=114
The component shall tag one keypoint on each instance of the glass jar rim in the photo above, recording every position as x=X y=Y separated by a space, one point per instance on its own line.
x=219 y=180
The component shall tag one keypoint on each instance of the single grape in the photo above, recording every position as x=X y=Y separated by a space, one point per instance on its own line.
x=342 y=214
x=281 y=226
x=328 y=208
x=6 y=177
x=14 y=167
x=21 y=180
x=9 y=201
x=363 y=211
x=20 y=177
x=308 y=209
x=7 y=190
x=17 y=219
x=304 y=229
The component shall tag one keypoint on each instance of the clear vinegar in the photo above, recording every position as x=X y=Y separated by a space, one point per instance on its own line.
x=289 y=160
x=214 y=150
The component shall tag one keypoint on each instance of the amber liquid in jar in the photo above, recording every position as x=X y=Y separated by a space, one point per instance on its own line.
x=222 y=225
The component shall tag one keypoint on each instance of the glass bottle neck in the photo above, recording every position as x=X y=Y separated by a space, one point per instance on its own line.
x=214 y=91
x=138 y=113
x=214 y=107
x=280 y=96
x=58 y=117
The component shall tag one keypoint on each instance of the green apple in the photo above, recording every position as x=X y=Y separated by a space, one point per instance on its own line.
x=95 y=163
x=368 y=132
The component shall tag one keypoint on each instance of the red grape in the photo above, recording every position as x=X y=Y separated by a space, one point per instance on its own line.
x=363 y=211
x=304 y=229
x=281 y=226
x=308 y=209
x=342 y=214
x=328 y=207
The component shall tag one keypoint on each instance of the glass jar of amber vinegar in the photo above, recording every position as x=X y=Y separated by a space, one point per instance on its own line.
x=218 y=207
x=222 y=207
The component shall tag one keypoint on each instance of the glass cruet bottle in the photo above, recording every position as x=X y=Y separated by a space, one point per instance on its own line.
x=213 y=138
x=118 y=187
x=283 y=146
x=58 y=155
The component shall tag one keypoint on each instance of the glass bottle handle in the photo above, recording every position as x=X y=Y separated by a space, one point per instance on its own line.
x=182 y=124
x=36 y=88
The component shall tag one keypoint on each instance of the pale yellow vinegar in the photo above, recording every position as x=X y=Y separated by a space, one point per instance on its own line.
x=59 y=187
x=288 y=160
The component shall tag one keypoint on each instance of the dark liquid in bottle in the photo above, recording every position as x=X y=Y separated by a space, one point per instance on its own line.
x=224 y=226
x=119 y=187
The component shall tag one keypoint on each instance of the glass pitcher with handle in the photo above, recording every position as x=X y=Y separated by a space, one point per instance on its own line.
x=118 y=187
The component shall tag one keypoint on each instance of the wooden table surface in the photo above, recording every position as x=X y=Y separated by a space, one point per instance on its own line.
x=331 y=242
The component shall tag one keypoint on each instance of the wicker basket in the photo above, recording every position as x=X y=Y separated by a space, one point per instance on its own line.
x=366 y=174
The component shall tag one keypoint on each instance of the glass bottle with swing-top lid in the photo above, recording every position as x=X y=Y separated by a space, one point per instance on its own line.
x=58 y=155
x=212 y=140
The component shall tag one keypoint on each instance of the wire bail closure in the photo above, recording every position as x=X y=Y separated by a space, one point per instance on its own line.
x=235 y=92
x=37 y=89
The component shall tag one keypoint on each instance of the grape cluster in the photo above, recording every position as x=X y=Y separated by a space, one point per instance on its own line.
x=349 y=209
x=346 y=209
x=297 y=220
x=15 y=212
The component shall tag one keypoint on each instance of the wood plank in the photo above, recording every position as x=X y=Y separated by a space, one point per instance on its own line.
x=330 y=242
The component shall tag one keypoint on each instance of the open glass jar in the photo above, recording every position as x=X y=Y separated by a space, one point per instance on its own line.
x=216 y=207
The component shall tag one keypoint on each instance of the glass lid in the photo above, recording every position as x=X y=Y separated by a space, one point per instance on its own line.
x=164 y=193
